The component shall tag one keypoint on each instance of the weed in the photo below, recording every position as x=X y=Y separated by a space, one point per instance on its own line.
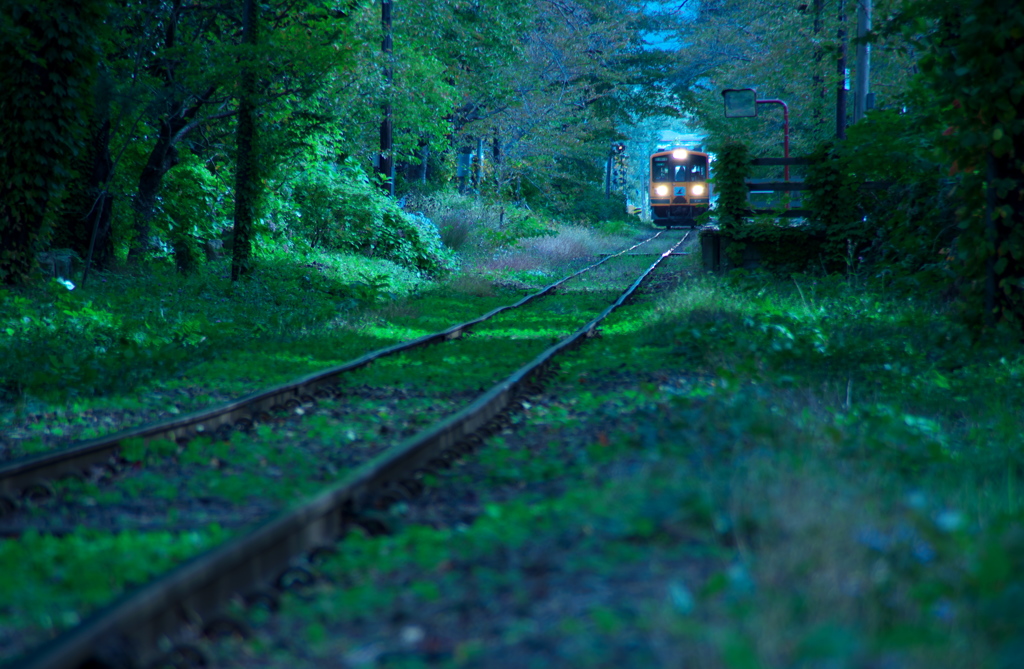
x=50 y=583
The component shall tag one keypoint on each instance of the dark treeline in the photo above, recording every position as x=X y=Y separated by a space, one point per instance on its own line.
x=134 y=132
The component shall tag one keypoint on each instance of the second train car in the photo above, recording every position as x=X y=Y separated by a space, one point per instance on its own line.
x=679 y=188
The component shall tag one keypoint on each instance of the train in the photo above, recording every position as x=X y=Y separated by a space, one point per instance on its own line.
x=678 y=187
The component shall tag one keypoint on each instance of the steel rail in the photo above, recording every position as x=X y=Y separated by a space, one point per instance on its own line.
x=29 y=476
x=187 y=600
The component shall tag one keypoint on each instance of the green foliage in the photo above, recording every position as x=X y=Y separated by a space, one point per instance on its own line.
x=833 y=200
x=47 y=71
x=64 y=343
x=475 y=226
x=339 y=207
x=972 y=65
x=192 y=209
x=912 y=217
x=52 y=582
x=730 y=170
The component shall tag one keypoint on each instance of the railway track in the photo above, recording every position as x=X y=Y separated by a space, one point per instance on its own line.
x=186 y=601
x=29 y=479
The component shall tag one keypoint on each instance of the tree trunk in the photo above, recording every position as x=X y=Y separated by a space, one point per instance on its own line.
x=101 y=245
x=246 y=186
x=161 y=159
x=85 y=226
x=52 y=57
x=818 y=77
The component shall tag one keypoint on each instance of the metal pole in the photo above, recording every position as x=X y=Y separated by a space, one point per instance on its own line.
x=785 y=134
x=608 y=176
x=860 y=105
x=479 y=169
x=819 y=72
x=841 y=71
x=387 y=165
x=990 y=238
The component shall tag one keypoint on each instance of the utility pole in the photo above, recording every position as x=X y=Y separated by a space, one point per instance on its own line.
x=862 y=100
x=608 y=174
x=842 y=86
x=478 y=167
x=387 y=163
x=818 y=105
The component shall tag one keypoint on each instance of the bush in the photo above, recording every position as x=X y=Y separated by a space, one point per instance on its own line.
x=731 y=169
x=910 y=223
x=63 y=341
x=472 y=226
x=192 y=208
x=338 y=207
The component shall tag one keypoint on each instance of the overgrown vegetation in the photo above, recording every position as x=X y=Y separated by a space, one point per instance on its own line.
x=814 y=472
x=815 y=467
x=247 y=471
x=926 y=190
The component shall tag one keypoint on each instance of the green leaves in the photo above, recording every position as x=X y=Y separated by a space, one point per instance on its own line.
x=834 y=203
x=731 y=168
x=338 y=207
x=971 y=70
x=49 y=583
x=47 y=94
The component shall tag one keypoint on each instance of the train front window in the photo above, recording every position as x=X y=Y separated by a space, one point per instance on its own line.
x=692 y=168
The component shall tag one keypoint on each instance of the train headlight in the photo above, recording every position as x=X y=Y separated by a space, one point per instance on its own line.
x=680 y=154
x=698 y=190
x=661 y=190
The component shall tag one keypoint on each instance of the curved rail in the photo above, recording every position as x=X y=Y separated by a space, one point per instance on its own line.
x=28 y=476
x=190 y=596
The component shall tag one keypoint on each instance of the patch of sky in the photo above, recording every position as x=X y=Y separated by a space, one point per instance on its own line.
x=671 y=14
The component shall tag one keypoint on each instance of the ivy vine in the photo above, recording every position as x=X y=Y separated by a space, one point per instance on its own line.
x=833 y=199
x=47 y=74
x=731 y=169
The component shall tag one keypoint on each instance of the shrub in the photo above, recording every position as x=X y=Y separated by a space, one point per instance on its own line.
x=338 y=207
x=473 y=226
x=64 y=342
x=834 y=199
x=731 y=169
x=192 y=208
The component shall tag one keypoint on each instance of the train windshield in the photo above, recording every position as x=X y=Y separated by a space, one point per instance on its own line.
x=692 y=168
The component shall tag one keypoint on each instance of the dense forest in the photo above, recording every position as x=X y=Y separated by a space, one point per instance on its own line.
x=142 y=132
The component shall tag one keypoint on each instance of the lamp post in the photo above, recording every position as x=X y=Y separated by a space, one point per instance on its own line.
x=742 y=103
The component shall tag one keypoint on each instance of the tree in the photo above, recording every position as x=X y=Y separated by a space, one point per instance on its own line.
x=84 y=222
x=973 y=65
x=178 y=68
x=47 y=68
x=246 y=186
x=783 y=50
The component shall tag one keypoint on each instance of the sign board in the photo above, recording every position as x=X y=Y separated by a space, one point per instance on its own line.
x=740 y=102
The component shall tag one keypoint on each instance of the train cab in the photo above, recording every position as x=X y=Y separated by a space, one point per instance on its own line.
x=679 y=188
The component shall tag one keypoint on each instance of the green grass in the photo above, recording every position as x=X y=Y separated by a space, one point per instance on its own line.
x=50 y=583
x=279 y=467
x=759 y=472
x=129 y=329
x=818 y=475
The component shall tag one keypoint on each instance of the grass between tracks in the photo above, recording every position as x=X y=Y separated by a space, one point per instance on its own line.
x=748 y=473
x=805 y=473
x=50 y=583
